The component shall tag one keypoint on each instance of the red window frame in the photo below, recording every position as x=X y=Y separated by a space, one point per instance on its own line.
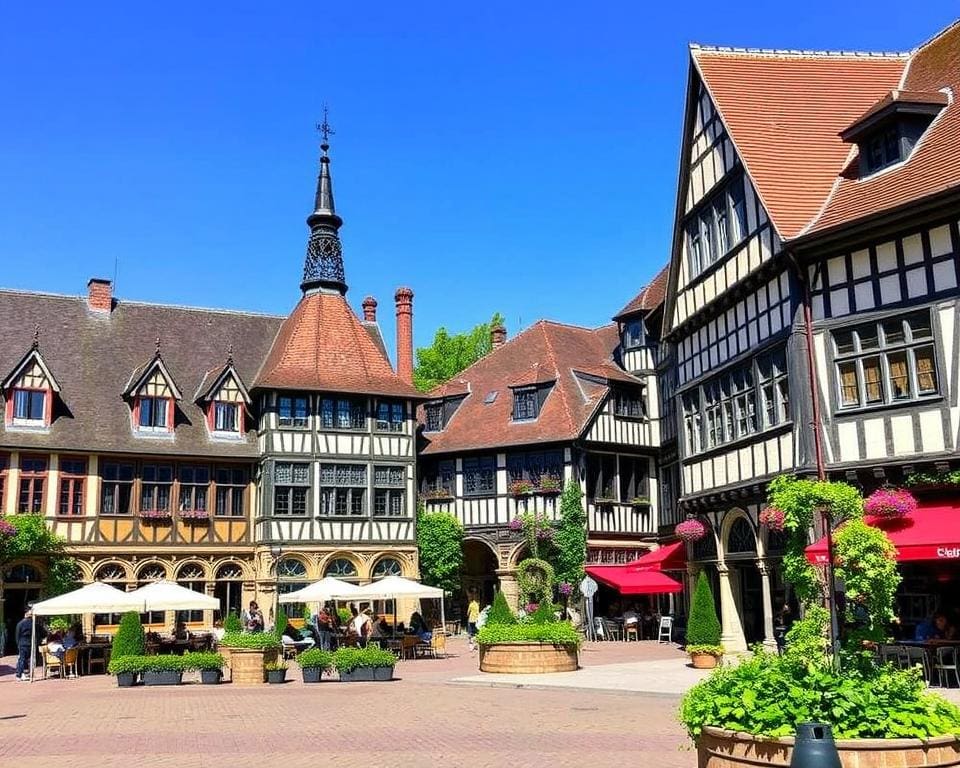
x=168 y=426
x=212 y=418
x=47 y=403
x=71 y=494
x=33 y=477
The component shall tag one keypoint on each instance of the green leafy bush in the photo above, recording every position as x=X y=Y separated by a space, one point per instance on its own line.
x=129 y=640
x=770 y=696
x=557 y=633
x=500 y=612
x=202 y=660
x=345 y=615
x=535 y=579
x=710 y=650
x=124 y=664
x=232 y=623
x=280 y=624
x=59 y=624
x=314 y=658
x=703 y=626
x=275 y=666
x=349 y=659
x=546 y=613
x=570 y=541
x=255 y=640
x=147 y=664
x=440 y=544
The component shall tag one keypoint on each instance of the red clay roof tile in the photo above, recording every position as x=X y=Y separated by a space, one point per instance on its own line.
x=650 y=297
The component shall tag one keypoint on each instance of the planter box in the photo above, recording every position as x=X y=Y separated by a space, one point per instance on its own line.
x=704 y=660
x=210 y=676
x=718 y=748
x=367 y=675
x=276 y=676
x=167 y=677
x=528 y=658
x=247 y=664
x=312 y=674
x=126 y=679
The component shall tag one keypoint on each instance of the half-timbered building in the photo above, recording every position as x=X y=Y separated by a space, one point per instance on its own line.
x=812 y=289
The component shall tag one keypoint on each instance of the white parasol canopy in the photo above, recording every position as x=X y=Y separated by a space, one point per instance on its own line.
x=328 y=588
x=166 y=595
x=97 y=597
x=393 y=587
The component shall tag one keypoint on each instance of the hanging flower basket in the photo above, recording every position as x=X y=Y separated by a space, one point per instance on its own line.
x=516 y=525
x=772 y=517
x=565 y=588
x=890 y=502
x=690 y=530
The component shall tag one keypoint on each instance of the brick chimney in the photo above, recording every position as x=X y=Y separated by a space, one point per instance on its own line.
x=498 y=336
x=99 y=294
x=370 y=309
x=404 y=299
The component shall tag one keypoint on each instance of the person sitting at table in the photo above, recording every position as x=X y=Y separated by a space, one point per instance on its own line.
x=180 y=631
x=942 y=628
x=55 y=644
x=924 y=631
x=419 y=628
x=360 y=624
x=218 y=630
x=377 y=626
x=630 y=616
x=253 y=618
x=73 y=637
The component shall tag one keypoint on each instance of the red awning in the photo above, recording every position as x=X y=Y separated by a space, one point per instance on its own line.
x=669 y=557
x=930 y=533
x=631 y=581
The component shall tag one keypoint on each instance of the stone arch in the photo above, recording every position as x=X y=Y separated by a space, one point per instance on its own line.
x=736 y=517
x=519 y=552
x=332 y=559
x=244 y=568
x=406 y=567
x=182 y=569
x=24 y=571
x=150 y=569
x=293 y=559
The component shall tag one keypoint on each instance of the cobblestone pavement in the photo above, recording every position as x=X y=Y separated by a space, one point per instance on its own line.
x=419 y=720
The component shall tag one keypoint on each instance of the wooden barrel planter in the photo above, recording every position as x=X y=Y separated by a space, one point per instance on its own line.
x=247 y=665
x=528 y=658
x=718 y=748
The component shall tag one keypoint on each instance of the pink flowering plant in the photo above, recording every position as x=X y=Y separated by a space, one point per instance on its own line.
x=155 y=514
x=691 y=530
x=565 y=588
x=537 y=530
x=890 y=502
x=773 y=518
x=194 y=514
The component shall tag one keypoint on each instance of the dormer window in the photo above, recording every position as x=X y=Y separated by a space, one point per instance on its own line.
x=29 y=406
x=882 y=149
x=225 y=400
x=433 y=415
x=526 y=405
x=632 y=334
x=29 y=392
x=629 y=404
x=153 y=413
x=153 y=393
x=226 y=417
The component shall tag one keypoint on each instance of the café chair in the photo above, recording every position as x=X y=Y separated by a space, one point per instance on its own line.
x=51 y=663
x=945 y=663
x=631 y=629
x=665 y=633
x=70 y=657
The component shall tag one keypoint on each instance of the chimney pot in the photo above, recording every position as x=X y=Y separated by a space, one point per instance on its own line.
x=370 y=309
x=100 y=294
x=498 y=336
x=404 y=302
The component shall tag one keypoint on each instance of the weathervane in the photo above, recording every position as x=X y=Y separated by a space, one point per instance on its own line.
x=325 y=131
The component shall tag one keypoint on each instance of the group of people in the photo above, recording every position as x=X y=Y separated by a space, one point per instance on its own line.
x=57 y=642
x=938 y=627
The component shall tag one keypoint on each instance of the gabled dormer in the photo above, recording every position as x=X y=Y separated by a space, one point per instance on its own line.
x=530 y=391
x=28 y=392
x=448 y=397
x=152 y=394
x=887 y=133
x=225 y=401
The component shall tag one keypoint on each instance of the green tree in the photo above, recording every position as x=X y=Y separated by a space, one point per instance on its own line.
x=129 y=640
x=440 y=541
x=569 y=552
x=450 y=354
x=30 y=538
x=703 y=626
x=280 y=624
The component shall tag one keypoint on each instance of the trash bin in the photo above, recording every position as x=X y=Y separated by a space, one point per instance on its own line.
x=814 y=747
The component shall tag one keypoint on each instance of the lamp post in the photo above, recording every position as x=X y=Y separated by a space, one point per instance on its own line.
x=831 y=586
x=276 y=550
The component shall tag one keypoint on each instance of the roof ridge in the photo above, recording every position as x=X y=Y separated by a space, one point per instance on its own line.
x=935 y=36
x=731 y=50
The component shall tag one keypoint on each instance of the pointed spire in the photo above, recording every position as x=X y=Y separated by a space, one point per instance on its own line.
x=323 y=266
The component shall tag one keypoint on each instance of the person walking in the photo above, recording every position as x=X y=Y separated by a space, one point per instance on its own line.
x=473 y=615
x=24 y=635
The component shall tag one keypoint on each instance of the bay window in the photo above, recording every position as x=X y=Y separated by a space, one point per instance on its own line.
x=390 y=416
x=292 y=411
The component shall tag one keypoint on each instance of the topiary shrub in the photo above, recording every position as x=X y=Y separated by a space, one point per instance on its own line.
x=232 y=623
x=129 y=640
x=500 y=612
x=281 y=623
x=703 y=626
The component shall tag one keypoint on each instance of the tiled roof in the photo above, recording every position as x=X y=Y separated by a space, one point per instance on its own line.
x=92 y=354
x=558 y=351
x=323 y=345
x=650 y=297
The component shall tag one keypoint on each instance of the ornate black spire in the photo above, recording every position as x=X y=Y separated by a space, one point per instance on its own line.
x=323 y=266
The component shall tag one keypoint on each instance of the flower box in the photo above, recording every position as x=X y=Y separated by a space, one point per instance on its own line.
x=210 y=676
x=312 y=674
x=277 y=676
x=163 y=677
x=156 y=516
x=438 y=497
x=195 y=517
x=126 y=679
x=520 y=489
x=603 y=501
x=528 y=658
x=367 y=675
x=640 y=502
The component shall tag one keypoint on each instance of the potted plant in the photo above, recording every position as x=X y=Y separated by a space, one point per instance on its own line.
x=640 y=501
x=276 y=672
x=772 y=518
x=129 y=641
x=160 y=516
x=703 y=627
x=126 y=669
x=210 y=666
x=437 y=495
x=194 y=516
x=604 y=501
x=364 y=664
x=249 y=653
x=313 y=663
x=549 y=485
x=520 y=488
x=162 y=670
x=890 y=502
x=536 y=644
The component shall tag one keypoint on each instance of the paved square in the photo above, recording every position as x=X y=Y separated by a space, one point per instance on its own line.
x=422 y=719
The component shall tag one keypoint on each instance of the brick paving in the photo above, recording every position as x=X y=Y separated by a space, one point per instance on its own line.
x=419 y=720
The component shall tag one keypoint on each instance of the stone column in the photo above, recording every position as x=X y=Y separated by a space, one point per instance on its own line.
x=731 y=628
x=768 y=638
x=508 y=585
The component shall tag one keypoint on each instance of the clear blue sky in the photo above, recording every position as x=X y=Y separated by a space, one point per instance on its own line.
x=511 y=156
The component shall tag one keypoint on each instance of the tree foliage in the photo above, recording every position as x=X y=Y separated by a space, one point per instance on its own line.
x=440 y=541
x=451 y=353
x=703 y=626
x=500 y=612
x=570 y=540
x=31 y=538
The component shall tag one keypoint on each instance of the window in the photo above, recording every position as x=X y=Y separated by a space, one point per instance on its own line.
x=692 y=423
x=291 y=488
x=291 y=568
x=433 y=415
x=115 y=576
x=156 y=480
x=29 y=406
x=293 y=411
x=389 y=494
x=525 y=405
x=343 y=489
x=479 y=476
x=887 y=362
x=341 y=568
x=533 y=466
x=390 y=416
x=437 y=478
x=881 y=149
x=231 y=485
x=73 y=473
x=720 y=225
x=633 y=478
x=774 y=392
x=153 y=413
x=226 y=417
x=33 y=480
x=343 y=413
x=149 y=574
x=117 y=488
x=629 y=404
x=191 y=576
x=194 y=484
x=228 y=589
x=601 y=477
x=632 y=334
x=388 y=566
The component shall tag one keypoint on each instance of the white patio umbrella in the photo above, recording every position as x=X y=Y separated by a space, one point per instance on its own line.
x=97 y=597
x=328 y=588
x=166 y=595
x=393 y=587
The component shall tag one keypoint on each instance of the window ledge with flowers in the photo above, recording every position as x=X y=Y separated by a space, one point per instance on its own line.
x=437 y=496
x=194 y=516
x=157 y=516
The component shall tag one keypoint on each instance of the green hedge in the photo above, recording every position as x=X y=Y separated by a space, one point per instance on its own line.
x=254 y=640
x=315 y=658
x=557 y=633
x=129 y=640
x=232 y=623
x=349 y=659
x=147 y=664
x=203 y=660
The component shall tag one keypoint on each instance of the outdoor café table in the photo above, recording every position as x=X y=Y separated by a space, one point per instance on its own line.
x=86 y=650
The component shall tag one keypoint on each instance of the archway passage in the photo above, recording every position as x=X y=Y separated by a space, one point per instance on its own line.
x=480 y=565
x=21 y=588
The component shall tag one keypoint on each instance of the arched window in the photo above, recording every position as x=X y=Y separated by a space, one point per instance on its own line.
x=192 y=576
x=706 y=548
x=147 y=575
x=111 y=572
x=22 y=574
x=228 y=590
x=388 y=566
x=289 y=568
x=741 y=539
x=293 y=576
x=341 y=568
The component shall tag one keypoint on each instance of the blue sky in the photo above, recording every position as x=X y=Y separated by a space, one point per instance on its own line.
x=519 y=157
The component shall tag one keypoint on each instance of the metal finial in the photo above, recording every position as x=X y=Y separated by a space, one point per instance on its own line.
x=36 y=336
x=230 y=354
x=158 y=346
x=325 y=130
